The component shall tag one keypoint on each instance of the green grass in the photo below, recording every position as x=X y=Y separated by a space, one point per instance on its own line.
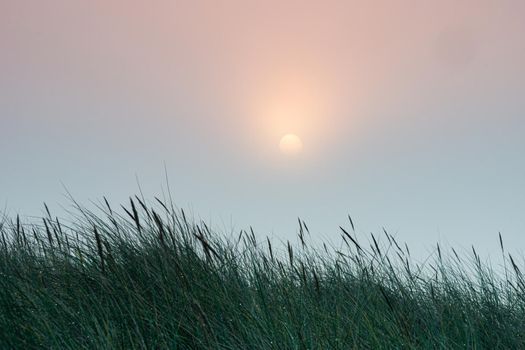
x=152 y=279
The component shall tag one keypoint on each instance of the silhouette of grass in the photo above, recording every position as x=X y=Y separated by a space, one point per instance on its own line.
x=152 y=279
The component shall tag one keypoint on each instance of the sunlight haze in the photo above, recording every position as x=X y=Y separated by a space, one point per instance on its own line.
x=411 y=113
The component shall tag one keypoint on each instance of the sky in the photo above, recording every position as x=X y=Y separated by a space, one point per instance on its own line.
x=411 y=113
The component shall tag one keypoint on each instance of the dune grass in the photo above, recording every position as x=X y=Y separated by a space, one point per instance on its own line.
x=147 y=277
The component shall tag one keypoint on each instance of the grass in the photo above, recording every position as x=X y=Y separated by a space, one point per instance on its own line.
x=150 y=278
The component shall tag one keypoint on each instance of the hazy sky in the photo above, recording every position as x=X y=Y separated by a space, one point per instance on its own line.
x=412 y=113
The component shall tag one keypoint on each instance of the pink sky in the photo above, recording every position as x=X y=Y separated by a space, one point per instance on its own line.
x=411 y=112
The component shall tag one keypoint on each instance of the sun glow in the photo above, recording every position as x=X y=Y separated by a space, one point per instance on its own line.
x=293 y=95
x=291 y=144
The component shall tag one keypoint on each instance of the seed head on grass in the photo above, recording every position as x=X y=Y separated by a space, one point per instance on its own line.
x=100 y=251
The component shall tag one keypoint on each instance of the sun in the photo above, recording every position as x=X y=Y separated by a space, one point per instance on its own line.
x=291 y=145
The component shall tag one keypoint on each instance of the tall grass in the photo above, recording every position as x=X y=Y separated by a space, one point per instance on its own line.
x=150 y=278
